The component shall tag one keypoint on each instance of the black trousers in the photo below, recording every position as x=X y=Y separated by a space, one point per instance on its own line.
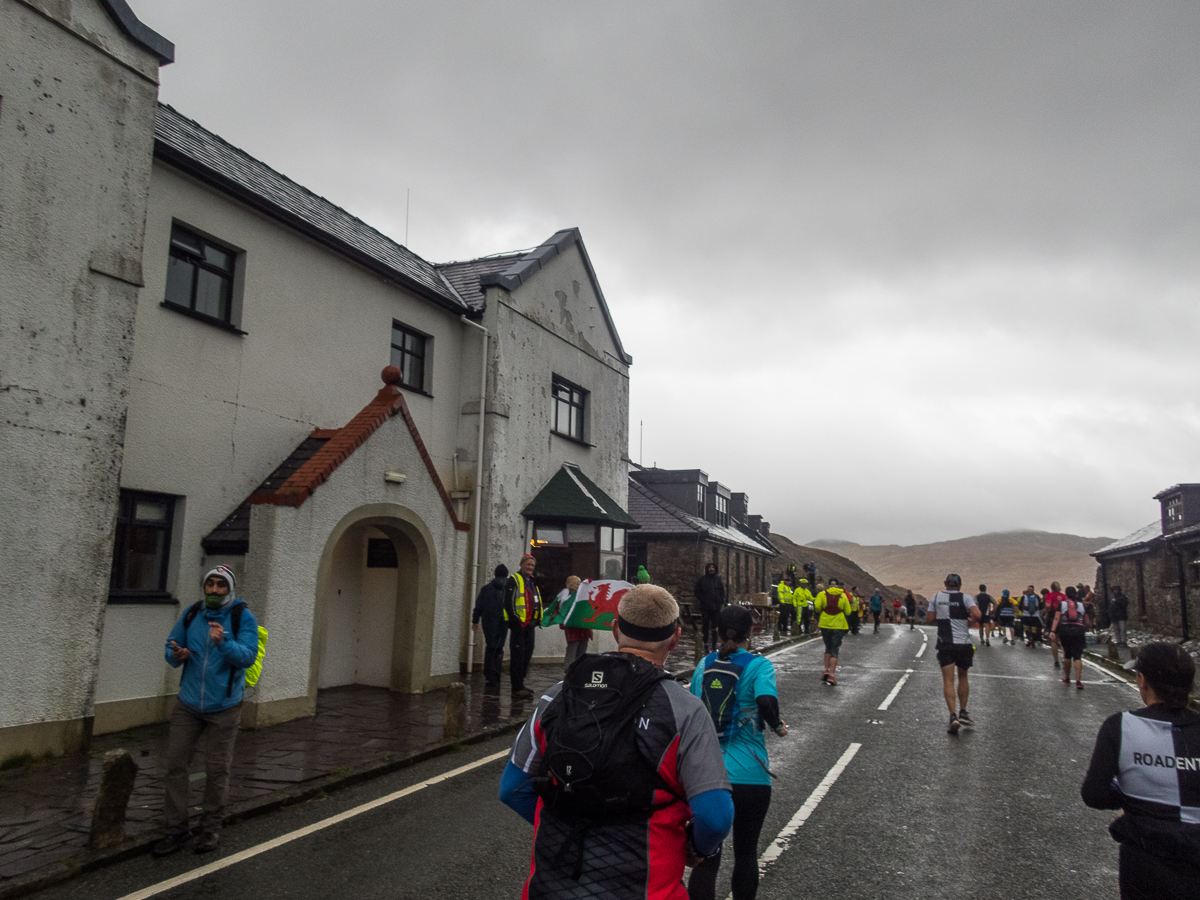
x=787 y=616
x=1144 y=876
x=853 y=617
x=875 y=616
x=493 y=653
x=710 y=622
x=806 y=620
x=750 y=802
x=520 y=647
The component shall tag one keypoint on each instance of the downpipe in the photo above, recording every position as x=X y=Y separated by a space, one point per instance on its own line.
x=483 y=362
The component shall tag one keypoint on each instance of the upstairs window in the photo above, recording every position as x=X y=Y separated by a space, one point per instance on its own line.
x=700 y=500
x=1174 y=512
x=409 y=355
x=722 y=504
x=567 y=408
x=142 y=549
x=200 y=275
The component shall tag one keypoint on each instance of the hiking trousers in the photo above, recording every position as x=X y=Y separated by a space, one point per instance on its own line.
x=214 y=733
x=520 y=652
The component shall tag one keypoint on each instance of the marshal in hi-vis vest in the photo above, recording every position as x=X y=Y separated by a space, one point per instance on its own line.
x=520 y=607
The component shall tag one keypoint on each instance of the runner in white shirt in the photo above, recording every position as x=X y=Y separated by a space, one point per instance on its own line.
x=956 y=614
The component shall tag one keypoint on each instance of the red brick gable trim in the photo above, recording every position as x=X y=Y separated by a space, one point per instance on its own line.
x=344 y=441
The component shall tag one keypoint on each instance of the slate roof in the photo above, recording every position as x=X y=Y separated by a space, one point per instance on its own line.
x=464 y=276
x=232 y=536
x=1142 y=536
x=570 y=496
x=193 y=149
x=520 y=267
x=660 y=518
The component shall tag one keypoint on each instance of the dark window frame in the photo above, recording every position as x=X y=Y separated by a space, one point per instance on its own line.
x=400 y=354
x=127 y=519
x=575 y=400
x=179 y=249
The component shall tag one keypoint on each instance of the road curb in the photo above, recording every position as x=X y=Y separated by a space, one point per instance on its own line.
x=1116 y=668
x=90 y=860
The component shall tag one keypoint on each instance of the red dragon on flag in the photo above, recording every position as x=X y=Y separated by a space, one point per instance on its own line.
x=593 y=605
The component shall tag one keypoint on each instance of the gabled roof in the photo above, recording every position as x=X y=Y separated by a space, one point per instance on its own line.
x=316 y=458
x=660 y=518
x=570 y=496
x=1138 y=539
x=193 y=149
x=519 y=268
x=129 y=23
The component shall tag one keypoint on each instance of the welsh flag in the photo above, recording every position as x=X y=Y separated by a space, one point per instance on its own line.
x=593 y=605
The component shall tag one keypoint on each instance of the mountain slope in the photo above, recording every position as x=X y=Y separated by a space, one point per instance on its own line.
x=830 y=565
x=1010 y=559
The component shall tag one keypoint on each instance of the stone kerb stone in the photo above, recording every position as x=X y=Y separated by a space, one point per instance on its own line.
x=116 y=785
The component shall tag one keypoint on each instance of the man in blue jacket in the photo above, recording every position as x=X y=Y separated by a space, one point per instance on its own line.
x=215 y=641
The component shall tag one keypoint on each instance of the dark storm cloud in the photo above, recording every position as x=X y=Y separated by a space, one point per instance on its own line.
x=846 y=229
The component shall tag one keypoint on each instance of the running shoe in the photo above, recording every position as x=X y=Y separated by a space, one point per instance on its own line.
x=1079 y=685
x=824 y=676
x=964 y=718
x=1056 y=664
x=1066 y=679
x=831 y=681
x=953 y=727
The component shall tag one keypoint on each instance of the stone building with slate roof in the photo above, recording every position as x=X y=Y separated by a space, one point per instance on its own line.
x=361 y=519
x=1158 y=566
x=686 y=521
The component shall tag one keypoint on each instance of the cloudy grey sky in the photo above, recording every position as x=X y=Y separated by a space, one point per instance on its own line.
x=900 y=271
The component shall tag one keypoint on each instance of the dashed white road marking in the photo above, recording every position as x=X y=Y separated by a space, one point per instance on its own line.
x=782 y=839
x=250 y=852
x=896 y=690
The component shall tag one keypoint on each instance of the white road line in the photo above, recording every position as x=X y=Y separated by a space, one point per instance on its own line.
x=921 y=652
x=896 y=690
x=1110 y=673
x=789 y=649
x=782 y=839
x=244 y=855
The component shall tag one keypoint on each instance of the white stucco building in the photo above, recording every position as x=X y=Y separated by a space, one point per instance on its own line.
x=257 y=433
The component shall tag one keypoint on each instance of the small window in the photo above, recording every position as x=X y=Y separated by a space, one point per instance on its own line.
x=549 y=534
x=722 y=505
x=700 y=500
x=381 y=554
x=142 y=549
x=612 y=539
x=200 y=275
x=567 y=408
x=409 y=356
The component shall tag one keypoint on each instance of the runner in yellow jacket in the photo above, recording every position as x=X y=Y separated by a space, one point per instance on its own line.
x=834 y=607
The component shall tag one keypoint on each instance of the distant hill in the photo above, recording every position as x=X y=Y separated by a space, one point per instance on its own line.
x=1009 y=559
x=830 y=565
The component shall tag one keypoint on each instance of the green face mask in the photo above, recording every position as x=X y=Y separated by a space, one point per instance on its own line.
x=213 y=601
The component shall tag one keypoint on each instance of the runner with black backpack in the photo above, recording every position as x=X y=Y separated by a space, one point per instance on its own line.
x=738 y=689
x=620 y=769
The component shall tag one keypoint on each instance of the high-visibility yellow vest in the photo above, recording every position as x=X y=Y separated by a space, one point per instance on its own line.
x=784 y=592
x=524 y=614
x=802 y=597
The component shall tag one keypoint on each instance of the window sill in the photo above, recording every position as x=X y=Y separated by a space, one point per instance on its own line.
x=201 y=317
x=413 y=390
x=149 y=598
x=573 y=440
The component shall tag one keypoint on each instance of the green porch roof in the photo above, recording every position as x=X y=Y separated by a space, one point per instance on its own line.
x=570 y=496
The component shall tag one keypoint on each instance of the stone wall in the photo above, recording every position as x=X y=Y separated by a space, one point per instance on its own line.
x=1150 y=581
x=676 y=564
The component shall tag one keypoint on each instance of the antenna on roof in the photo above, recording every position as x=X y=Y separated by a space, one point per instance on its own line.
x=407 y=192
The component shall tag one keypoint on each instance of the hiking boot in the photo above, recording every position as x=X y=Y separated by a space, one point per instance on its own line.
x=171 y=843
x=208 y=842
x=953 y=728
x=964 y=719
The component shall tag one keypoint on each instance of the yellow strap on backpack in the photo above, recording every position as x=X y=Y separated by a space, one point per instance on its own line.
x=255 y=669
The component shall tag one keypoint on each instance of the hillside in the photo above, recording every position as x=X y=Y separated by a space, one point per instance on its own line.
x=1010 y=559
x=830 y=564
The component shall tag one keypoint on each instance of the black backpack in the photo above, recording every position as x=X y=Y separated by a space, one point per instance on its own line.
x=592 y=772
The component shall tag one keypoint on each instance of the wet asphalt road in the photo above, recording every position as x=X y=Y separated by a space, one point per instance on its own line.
x=991 y=812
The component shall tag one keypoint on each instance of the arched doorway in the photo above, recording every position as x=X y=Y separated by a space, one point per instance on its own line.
x=374 y=605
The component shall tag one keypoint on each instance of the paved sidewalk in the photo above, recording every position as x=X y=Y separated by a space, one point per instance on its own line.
x=46 y=808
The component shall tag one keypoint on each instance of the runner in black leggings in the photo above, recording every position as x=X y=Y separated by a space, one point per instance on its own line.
x=742 y=743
